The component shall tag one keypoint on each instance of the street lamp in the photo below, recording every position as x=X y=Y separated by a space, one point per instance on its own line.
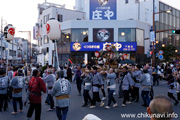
x=166 y=11
x=163 y=45
x=29 y=32
x=169 y=11
x=176 y=51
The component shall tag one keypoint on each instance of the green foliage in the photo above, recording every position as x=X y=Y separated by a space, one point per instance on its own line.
x=169 y=52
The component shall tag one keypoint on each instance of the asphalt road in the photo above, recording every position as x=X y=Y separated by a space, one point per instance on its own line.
x=76 y=112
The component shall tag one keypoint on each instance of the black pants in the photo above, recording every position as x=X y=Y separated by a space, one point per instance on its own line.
x=126 y=96
x=96 y=98
x=10 y=92
x=86 y=96
x=172 y=96
x=69 y=77
x=136 y=93
x=178 y=96
x=155 y=79
x=51 y=101
x=79 y=84
x=104 y=95
x=37 y=108
x=151 y=93
x=3 y=101
x=62 y=113
x=131 y=91
x=19 y=100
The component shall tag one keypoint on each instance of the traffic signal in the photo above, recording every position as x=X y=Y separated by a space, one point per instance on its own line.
x=176 y=31
x=151 y=53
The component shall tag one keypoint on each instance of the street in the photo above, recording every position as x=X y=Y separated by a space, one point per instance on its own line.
x=76 y=112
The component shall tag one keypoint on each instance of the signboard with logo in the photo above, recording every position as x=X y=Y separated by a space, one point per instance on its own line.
x=152 y=36
x=103 y=9
x=103 y=35
x=161 y=57
x=97 y=46
x=161 y=52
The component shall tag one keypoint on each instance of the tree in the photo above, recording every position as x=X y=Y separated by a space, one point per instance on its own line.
x=169 y=51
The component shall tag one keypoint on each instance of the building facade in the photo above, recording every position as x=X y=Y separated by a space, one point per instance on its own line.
x=16 y=51
x=142 y=10
x=88 y=33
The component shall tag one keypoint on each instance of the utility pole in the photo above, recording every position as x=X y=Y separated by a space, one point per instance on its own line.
x=12 y=51
x=153 y=56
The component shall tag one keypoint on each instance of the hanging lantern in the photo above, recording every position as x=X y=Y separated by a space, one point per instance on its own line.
x=53 y=29
x=97 y=54
x=9 y=32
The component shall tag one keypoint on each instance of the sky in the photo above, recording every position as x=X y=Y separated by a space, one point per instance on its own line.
x=23 y=14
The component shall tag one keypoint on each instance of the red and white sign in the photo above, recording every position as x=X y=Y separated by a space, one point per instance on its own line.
x=97 y=54
x=48 y=28
x=161 y=52
x=11 y=31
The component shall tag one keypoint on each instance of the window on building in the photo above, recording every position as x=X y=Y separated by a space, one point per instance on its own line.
x=41 y=23
x=41 y=41
x=46 y=18
x=78 y=19
x=126 y=35
x=140 y=37
x=60 y=18
x=79 y=35
x=177 y=13
x=126 y=1
x=12 y=53
x=46 y=39
x=66 y=37
x=161 y=6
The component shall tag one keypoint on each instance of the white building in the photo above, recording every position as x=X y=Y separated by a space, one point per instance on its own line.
x=47 y=11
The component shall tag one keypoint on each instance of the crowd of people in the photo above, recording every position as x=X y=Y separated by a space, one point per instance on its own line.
x=130 y=79
x=127 y=79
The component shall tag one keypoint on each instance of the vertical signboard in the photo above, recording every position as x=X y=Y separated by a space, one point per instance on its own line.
x=103 y=9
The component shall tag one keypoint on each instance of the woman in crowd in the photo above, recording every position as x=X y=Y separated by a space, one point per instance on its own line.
x=36 y=86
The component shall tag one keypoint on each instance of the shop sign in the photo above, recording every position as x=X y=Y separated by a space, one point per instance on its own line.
x=97 y=46
x=103 y=9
